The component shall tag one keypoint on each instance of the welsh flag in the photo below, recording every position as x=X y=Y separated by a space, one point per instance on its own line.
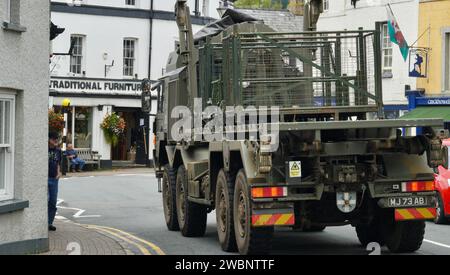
x=396 y=34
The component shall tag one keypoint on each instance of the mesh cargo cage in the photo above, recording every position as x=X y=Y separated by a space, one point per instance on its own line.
x=299 y=71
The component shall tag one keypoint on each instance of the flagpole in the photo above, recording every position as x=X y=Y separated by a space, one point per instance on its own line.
x=393 y=14
x=394 y=27
x=427 y=30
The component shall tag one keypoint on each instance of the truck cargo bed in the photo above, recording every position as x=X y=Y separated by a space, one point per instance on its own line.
x=361 y=124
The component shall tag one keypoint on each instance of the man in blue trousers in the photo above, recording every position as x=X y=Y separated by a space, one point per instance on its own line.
x=54 y=173
x=77 y=163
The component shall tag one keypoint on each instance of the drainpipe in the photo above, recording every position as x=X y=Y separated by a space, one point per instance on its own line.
x=197 y=9
x=150 y=51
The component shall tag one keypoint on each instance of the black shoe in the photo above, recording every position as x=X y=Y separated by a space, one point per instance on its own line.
x=51 y=228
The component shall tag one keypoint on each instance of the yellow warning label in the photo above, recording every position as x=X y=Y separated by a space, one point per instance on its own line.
x=295 y=169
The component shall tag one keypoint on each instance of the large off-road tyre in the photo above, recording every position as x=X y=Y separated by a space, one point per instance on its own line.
x=250 y=240
x=405 y=237
x=440 y=213
x=191 y=216
x=370 y=233
x=224 y=210
x=169 y=198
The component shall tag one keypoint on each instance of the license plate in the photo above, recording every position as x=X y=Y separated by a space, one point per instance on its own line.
x=408 y=202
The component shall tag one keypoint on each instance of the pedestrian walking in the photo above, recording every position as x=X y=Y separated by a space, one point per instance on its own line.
x=54 y=173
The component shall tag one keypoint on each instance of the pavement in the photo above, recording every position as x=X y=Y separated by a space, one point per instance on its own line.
x=71 y=238
x=127 y=203
x=74 y=239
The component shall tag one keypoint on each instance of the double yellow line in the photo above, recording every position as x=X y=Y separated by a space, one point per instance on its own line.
x=139 y=243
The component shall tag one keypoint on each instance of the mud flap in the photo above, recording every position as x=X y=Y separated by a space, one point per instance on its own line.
x=411 y=214
x=273 y=217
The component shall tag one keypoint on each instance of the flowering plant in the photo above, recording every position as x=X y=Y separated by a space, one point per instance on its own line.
x=113 y=127
x=55 y=121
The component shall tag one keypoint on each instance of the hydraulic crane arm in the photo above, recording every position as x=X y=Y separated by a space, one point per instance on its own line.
x=183 y=17
x=313 y=9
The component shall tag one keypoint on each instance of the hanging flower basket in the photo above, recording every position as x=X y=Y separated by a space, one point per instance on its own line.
x=55 y=121
x=113 y=127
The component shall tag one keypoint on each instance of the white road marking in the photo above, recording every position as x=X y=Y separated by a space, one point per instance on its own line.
x=438 y=244
x=61 y=218
x=79 y=212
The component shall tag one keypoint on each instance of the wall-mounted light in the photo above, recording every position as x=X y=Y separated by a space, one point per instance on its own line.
x=108 y=68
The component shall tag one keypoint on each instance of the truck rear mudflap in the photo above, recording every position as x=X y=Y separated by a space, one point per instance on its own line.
x=273 y=217
x=410 y=214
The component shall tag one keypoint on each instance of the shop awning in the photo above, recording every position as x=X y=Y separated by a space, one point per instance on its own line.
x=442 y=112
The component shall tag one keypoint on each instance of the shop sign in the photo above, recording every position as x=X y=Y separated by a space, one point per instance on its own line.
x=94 y=85
x=418 y=62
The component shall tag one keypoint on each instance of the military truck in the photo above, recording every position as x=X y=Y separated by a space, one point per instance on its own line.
x=324 y=156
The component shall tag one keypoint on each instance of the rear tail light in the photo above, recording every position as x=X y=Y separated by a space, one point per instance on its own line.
x=418 y=186
x=269 y=192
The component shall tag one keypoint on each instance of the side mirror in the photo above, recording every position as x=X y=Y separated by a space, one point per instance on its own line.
x=146 y=96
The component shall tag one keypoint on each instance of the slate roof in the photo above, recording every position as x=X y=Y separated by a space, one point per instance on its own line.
x=280 y=20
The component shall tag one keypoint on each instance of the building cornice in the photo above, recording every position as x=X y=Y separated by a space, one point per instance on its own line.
x=123 y=12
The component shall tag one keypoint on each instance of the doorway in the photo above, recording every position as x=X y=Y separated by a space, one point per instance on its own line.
x=132 y=146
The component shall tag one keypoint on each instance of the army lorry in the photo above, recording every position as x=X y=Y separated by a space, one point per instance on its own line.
x=319 y=153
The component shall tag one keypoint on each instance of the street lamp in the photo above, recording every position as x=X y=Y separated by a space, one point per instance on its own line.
x=65 y=109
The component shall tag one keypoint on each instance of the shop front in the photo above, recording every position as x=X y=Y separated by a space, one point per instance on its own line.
x=423 y=106
x=91 y=101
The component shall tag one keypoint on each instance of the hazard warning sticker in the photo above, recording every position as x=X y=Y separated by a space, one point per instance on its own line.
x=295 y=169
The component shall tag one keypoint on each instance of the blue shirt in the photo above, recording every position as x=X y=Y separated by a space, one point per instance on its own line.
x=54 y=159
x=71 y=153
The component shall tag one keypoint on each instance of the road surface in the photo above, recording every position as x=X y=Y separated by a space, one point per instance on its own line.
x=130 y=202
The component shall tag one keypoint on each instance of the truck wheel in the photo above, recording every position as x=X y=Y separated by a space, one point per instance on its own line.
x=440 y=215
x=169 y=198
x=250 y=240
x=191 y=216
x=314 y=228
x=224 y=211
x=405 y=237
x=369 y=233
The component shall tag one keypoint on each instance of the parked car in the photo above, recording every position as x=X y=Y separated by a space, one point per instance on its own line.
x=442 y=182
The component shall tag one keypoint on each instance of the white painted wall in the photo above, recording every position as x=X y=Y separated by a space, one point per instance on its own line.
x=99 y=143
x=24 y=71
x=105 y=34
x=165 y=33
x=342 y=15
x=102 y=35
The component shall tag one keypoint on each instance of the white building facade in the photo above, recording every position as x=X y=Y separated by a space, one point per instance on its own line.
x=343 y=15
x=116 y=44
